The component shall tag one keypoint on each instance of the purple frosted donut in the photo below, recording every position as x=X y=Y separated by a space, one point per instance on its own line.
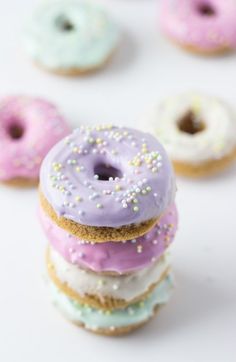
x=29 y=127
x=204 y=25
x=108 y=176
x=122 y=257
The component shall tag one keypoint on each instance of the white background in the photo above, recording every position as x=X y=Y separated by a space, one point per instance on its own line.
x=199 y=324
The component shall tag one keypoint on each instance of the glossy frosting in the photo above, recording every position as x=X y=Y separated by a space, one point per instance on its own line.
x=94 y=319
x=125 y=287
x=65 y=34
x=29 y=127
x=217 y=140
x=141 y=188
x=122 y=257
x=204 y=24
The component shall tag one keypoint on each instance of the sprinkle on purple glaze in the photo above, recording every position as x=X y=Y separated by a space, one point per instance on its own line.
x=114 y=189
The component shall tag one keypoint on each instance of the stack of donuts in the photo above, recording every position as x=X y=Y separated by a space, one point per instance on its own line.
x=107 y=208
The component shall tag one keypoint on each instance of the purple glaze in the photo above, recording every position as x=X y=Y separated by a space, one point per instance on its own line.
x=72 y=177
x=112 y=256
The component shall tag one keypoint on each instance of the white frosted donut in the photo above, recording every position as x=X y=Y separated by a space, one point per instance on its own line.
x=194 y=128
x=126 y=287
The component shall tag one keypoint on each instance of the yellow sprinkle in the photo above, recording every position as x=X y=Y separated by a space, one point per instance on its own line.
x=101 y=282
x=98 y=141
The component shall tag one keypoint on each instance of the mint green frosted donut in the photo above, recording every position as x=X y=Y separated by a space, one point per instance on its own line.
x=94 y=319
x=69 y=34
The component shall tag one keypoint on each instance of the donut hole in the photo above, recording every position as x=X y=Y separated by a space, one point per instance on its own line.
x=191 y=124
x=105 y=172
x=64 y=24
x=67 y=26
x=206 y=9
x=15 y=130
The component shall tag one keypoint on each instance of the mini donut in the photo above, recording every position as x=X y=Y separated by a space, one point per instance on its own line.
x=70 y=37
x=114 y=322
x=198 y=132
x=106 y=183
x=202 y=26
x=104 y=291
x=29 y=127
x=112 y=257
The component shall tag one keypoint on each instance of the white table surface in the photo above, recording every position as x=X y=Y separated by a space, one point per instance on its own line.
x=199 y=324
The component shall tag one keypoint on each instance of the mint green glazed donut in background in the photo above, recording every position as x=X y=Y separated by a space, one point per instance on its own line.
x=70 y=37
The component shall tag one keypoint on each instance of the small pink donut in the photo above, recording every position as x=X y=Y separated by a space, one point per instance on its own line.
x=29 y=127
x=121 y=257
x=207 y=26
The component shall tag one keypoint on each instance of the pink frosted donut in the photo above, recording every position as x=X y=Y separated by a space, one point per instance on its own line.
x=207 y=26
x=122 y=257
x=29 y=127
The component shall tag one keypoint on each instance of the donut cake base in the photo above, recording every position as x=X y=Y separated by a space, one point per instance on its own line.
x=75 y=72
x=202 y=52
x=205 y=169
x=93 y=233
x=21 y=182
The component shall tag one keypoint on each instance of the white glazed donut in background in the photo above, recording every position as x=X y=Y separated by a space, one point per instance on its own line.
x=198 y=132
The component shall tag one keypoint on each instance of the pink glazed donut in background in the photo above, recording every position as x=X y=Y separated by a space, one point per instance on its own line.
x=29 y=127
x=112 y=257
x=201 y=26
